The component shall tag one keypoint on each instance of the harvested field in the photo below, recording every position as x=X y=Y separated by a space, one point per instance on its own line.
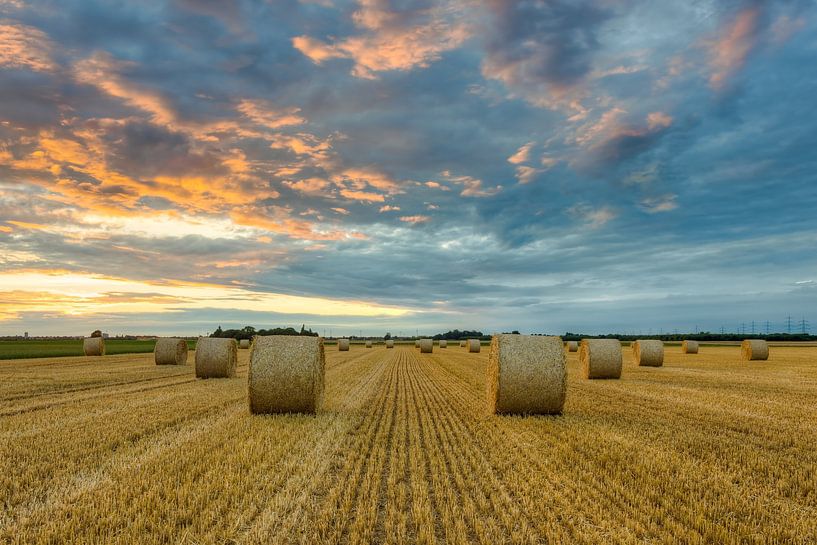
x=706 y=449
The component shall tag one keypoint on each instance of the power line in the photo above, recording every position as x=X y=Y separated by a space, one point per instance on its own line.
x=804 y=327
x=788 y=323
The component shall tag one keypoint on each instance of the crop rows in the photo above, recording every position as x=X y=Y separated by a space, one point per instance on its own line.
x=706 y=449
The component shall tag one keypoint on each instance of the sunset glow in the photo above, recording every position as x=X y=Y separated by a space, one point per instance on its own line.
x=344 y=163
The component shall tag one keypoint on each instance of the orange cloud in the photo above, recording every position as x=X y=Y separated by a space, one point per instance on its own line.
x=23 y=46
x=362 y=195
x=388 y=41
x=101 y=70
x=522 y=154
x=728 y=53
x=360 y=178
x=309 y=186
x=472 y=186
x=61 y=293
x=415 y=219
x=526 y=174
x=262 y=112
x=282 y=223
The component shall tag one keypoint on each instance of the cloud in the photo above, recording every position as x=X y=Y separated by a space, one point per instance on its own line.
x=542 y=51
x=472 y=187
x=23 y=46
x=263 y=113
x=437 y=185
x=390 y=39
x=613 y=139
x=526 y=174
x=728 y=52
x=66 y=293
x=389 y=208
x=593 y=217
x=522 y=155
x=415 y=219
x=101 y=70
x=663 y=203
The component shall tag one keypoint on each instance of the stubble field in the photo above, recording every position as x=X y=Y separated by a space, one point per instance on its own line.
x=707 y=449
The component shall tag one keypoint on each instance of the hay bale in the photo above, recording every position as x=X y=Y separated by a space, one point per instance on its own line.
x=600 y=358
x=417 y=343
x=572 y=346
x=170 y=351
x=286 y=374
x=526 y=375
x=648 y=353
x=473 y=345
x=426 y=346
x=689 y=347
x=216 y=357
x=390 y=344
x=462 y=344
x=93 y=346
x=368 y=344
x=244 y=343
x=754 y=349
x=443 y=344
x=343 y=345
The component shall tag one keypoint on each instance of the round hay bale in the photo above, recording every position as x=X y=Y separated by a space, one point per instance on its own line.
x=390 y=344
x=572 y=346
x=600 y=358
x=244 y=343
x=754 y=349
x=343 y=345
x=474 y=345
x=426 y=346
x=462 y=344
x=93 y=346
x=216 y=357
x=689 y=347
x=526 y=375
x=286 y=374
x=648 y=353
x=170 y=351
x=368 y=344
x=443 y=344
x=417 y=343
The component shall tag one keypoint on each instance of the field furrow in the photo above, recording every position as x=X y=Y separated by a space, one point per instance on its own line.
x=703 y=450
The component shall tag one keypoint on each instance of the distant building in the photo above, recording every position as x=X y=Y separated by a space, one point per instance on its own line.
x=25 y=334
x=105 y=335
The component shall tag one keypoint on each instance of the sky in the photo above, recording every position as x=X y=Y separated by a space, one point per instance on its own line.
x=410 y=166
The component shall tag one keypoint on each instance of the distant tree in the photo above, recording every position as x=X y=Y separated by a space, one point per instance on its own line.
x=387 y=336
x=96 y=333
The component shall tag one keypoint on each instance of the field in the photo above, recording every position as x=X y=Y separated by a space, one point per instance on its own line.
x=50 y=348
x=707 y=449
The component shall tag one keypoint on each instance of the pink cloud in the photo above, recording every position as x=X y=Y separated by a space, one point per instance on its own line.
x=472 y=187
x=23 y=46
x=263 y=113
x=728 y=53
x=390 y=40
x=522 y=154
x=415 y=219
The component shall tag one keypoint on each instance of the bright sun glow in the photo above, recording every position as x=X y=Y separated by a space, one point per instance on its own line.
x=78 y=294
